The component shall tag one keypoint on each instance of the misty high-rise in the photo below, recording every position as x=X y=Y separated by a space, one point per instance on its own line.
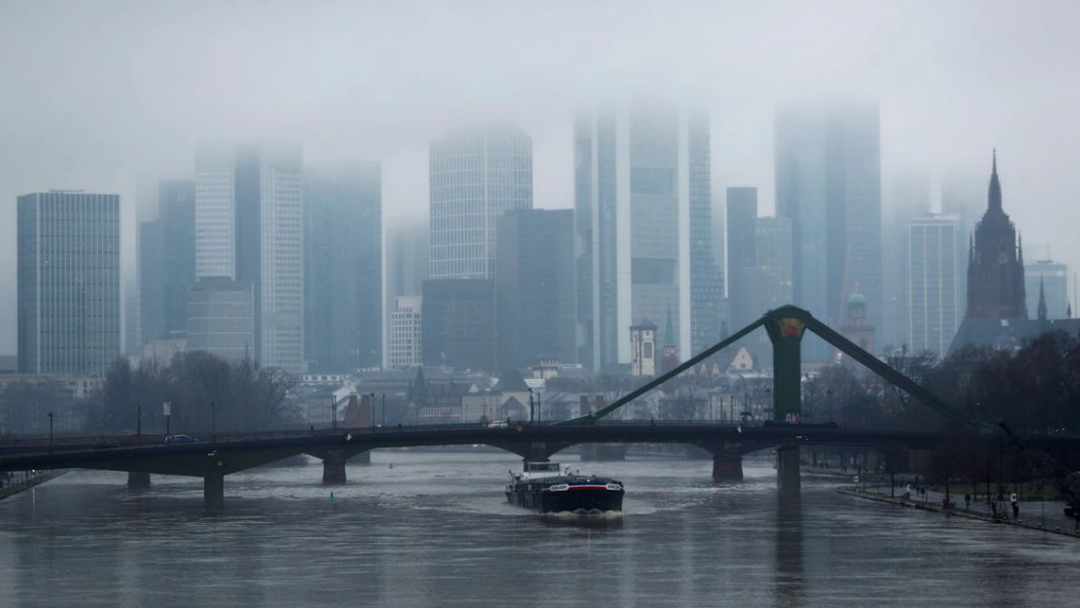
x=249 y=229
x=343 y=299
x=1051 y=279
x=643 y=223
x=828 y=182
x=166 y=262
x=934 y=275
x=68 y=282
x=741 y=222
x=475 y=176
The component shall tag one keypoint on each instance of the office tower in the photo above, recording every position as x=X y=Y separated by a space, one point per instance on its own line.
x=405 y=341
x=910 y=199
x=475 y=176
x=68 y=282
x=249 y=229
x=741 y=219
x=963 y=195
x=407 y=262
x=933 y=283
x=221 y=318
x=995 y=273
x=343 y=298
x=458 y=324
x=828 y=182
x=535 y=288
x=643 y=223
x=1052 y=279
x=166 y=262
x=767 y=282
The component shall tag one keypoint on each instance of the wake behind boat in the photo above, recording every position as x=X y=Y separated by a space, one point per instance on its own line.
x=548 y=488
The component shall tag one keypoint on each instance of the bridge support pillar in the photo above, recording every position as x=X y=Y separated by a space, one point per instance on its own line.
x=138 y=480
x=214 y=491
x=333 y=468
x=603 y=452
x=787 y=469
x=727 y=464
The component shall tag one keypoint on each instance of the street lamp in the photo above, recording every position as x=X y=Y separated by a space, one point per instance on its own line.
x=372 y=411
x=531 y=415
x=166 y=408
x=138 y=421
x=50 y=432
x=383 y=409
x=213 y=421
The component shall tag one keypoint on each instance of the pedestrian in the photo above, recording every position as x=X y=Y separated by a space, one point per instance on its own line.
x=967 y=501
x=1015 y=506
x=907 y=492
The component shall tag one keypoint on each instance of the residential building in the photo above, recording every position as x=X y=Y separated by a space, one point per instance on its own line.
x=343 y=281
x=535 y=287
x=68 y=267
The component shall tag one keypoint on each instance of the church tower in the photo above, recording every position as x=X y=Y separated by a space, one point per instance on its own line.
x=996 y=263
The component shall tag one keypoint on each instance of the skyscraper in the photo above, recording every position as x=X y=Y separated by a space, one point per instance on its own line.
x=221 y=318
x=404 y=345
x=249 y=228
x=643 y=222
x=741 y=219
x=343 y=299
x=534 y=288
x=995 y=273
x=166 y=262
x=475 y=176
x=1052 y=278
x=68 y=282
x=458 y=324
x=933 y=304
x=911 y=199
x=767 y=281
x=828 y=182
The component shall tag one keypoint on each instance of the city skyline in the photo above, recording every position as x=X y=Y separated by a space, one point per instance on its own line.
x=941 y=105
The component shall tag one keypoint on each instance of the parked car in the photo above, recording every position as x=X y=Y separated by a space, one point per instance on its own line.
x=180 y=439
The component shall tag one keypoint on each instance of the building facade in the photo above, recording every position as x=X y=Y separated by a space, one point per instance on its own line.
x=535 y=288
x=475 y=177
x=643 y=349
x=249 y=228
x=458 y=324
x=166 y=262
x=643 y=224
x=405 y=340
x=343 y=261
x=933 y=275
x=221 y=318
x=741 y=216
x=68 y=269
x=995 y=274
x=828 y=183
x=1053 y=279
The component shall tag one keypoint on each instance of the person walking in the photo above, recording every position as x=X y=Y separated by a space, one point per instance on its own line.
x=967 y=501
x=1015 y=506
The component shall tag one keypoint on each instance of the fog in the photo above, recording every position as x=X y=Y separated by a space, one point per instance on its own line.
x=108 y=95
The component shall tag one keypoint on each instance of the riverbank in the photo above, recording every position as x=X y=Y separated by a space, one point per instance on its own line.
x=1051 y=525
x=11 y=489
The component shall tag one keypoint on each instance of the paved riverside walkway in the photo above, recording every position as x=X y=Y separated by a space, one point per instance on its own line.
x=1032 y=514
x=24 y=480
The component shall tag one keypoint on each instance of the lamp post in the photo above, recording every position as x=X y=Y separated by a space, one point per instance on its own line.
x=213 y=421
x=333 y=412
x=531 y=404
x=138 y=421
x=372 y=410
x=50 y=432
x=166 y=408
x=383 y=410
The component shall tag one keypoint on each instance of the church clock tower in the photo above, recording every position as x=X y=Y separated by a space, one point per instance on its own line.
x=996 y=263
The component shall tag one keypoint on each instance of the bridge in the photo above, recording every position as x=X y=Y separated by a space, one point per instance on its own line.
x=224 y=454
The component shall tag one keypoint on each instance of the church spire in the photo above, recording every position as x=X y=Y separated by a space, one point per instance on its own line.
x=995 y=187
x=1020 y=251
x=1042 y=300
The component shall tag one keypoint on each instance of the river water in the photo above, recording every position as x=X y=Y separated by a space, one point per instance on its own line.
x=433 y=529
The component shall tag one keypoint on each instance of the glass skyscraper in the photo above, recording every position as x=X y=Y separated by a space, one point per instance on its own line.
x=68 y=282
x=934 y=278
x=644 y=231
x=475 y=177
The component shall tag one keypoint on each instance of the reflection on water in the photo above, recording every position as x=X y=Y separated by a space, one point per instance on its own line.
x=435 y=530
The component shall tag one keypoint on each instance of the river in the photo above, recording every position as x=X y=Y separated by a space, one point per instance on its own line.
x=433 y=529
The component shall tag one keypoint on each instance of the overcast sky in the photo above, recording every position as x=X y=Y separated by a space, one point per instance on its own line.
x=105 y=95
